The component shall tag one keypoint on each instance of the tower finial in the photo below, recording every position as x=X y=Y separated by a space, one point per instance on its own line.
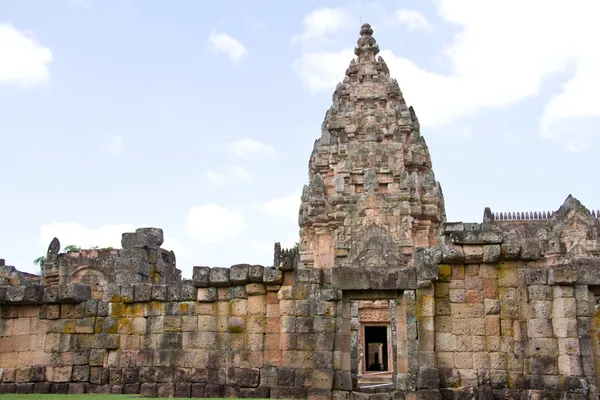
x=367 y=47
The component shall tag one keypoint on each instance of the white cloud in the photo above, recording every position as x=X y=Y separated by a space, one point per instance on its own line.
x=323 y=22
x=496 y=59
x=211 y=223
x=284 y=208
x=23 y=61
x=115 y=145
x=223 y=43
x=318 y=70
x=247 y=148
x=413 y=20
x=72 y=233
x=231 y=173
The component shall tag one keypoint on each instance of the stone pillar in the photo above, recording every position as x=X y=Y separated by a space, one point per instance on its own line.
x=428 y=375
x=588 y=339
x=564 y=326
x=347 y=340
x=408 y=342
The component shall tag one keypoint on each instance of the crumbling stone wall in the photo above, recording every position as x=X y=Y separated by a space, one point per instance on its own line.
x=141 y=260
x=244 y=331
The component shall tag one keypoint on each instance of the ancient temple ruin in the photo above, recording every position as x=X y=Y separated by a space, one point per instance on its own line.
x=382 y=298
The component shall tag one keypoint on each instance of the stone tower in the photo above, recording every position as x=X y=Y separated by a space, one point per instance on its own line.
x=372 y=196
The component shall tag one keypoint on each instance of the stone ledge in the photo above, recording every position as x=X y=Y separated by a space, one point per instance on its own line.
x=577 y=272
x=345 y=278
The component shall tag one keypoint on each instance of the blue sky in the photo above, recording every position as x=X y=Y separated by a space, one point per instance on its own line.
x=199 y=117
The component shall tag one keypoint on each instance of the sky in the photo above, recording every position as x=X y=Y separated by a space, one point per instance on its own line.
x=199 y=117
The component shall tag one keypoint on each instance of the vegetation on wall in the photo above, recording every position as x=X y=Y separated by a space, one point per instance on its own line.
x=68 y=248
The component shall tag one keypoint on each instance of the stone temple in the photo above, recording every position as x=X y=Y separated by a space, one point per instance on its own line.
x=383 y=298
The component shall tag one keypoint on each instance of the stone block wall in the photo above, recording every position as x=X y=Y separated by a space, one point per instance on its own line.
x=494 y=311
x=244 y=331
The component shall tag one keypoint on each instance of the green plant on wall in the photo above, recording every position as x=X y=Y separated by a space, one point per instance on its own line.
x=39 y=261
x=101 y=248
x=72 y=247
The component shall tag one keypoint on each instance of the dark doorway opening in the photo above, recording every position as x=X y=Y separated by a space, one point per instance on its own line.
x=376 y=348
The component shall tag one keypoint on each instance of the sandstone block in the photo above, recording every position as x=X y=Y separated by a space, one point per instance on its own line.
x=452 y=254
x=105 y=341
x=541 y=309
x=257 y=305
x=476 y=237
x=239 y=274
x=142 y=292
x=219 y=277
x=540 y=328
x=543 y=347
x=445 y=342
x=58 y=374
x=50 y=294
x=537 y=276
x=426 y=261
x=540 y=292
x=463 y=360
x=564 y=308
x=255 y=289
x=74 y=293
x=322 y=379
x=272 y=276
x=309 y=275
x=564 y=327
x=207 y=295
x=563 y=275
x=159 y=292
x=473 y=254
x=428 y=378
x=457 y=295
x=236 y=324
x=491 y=253
x=201 y=277
x=569 y=346
x=255 y=273
x=569 y=365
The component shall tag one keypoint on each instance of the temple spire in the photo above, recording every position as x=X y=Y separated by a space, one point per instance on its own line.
x=367 y=47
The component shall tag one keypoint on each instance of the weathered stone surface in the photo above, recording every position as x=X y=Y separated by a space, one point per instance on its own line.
x=142 y=292
x=143 y=238
x=239 y=274
x=476 y=237
x=219 y=277
x=452 y=254
x=74 y=293
x=24 y=294
x=201 y=276
x=427 y=262
x=255 y=273
x=272 y=276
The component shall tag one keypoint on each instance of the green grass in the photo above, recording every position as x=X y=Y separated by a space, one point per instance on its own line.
x=79 y=397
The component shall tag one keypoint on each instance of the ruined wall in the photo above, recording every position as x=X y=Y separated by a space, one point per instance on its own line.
x=244 y=331
x=141 y=260
x=515 y=304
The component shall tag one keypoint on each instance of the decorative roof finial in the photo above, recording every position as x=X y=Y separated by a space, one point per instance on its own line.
x=367 y=47
x=366 y=30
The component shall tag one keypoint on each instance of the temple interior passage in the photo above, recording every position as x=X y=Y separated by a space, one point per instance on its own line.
x=376 y=346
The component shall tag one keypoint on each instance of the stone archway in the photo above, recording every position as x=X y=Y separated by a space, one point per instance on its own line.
x=93 y=277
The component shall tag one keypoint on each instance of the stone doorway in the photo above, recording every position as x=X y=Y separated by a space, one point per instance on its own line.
x=376 y=348
x=373 y=340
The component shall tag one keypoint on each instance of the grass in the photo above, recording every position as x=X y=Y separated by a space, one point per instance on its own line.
x=79 y=397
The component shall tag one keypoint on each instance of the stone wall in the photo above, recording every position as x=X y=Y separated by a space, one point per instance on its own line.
x=244 y=331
